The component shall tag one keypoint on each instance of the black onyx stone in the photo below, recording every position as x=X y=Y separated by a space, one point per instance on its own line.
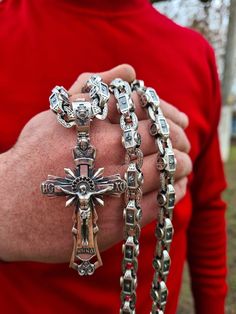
x=166 y=265
x=164 y=125
x=164 y=296
x=127 y=286
x=171 y=202
x=129 y=216
x=169 y=234
x=129 y=252
x=153 y=95
x=131 y=179
x=123 y=103
x=172 y=162
x=128 y=137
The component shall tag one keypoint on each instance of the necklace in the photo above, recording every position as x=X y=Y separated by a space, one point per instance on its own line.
x=85 y=186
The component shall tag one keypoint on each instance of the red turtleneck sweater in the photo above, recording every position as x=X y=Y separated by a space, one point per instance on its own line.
x=49 y=42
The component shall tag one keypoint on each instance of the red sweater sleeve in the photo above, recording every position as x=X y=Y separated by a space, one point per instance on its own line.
x=207 y=230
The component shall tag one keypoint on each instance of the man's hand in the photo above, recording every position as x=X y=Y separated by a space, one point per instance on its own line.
x=34 y=227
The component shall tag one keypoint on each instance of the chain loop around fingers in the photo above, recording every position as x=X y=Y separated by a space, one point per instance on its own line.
x=132 y=212
x=166 y=166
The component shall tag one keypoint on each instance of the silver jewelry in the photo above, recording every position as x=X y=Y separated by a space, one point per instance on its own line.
x=60 y=104
x=166 y=164
x=132 y=213
x=84 y=186
x=99 y=93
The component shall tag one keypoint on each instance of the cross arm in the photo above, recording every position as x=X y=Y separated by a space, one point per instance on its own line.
x=117 y=185
x=54 y=186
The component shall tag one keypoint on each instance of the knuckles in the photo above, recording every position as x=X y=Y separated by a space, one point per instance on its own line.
x=181 y=188
x=184 y=164
x=178 y=137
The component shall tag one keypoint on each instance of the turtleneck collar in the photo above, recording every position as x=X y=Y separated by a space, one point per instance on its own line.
x=110 y=6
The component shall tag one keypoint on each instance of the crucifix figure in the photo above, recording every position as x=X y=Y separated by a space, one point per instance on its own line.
x=84 y=187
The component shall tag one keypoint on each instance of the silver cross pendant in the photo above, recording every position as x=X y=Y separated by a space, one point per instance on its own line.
x=84 y=187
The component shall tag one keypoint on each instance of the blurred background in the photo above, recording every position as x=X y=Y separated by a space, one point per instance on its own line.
x=216 y=20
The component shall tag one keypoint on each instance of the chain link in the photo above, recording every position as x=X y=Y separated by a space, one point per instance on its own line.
x=60 y=104
x=132 y=213
x=99 y=95
x=166 y=165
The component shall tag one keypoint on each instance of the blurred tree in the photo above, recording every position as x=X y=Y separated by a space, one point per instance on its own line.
x=211 y=18
x=229 y=79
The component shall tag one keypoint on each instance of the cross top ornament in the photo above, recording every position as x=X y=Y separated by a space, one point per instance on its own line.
x=84 y=187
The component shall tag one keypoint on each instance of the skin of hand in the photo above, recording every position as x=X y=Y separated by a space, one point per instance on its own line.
x=34 y=227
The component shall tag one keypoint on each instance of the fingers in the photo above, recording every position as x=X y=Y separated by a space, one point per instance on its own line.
x=114 y=154
x=151 y=174
x=177 y=135
x=180 y=189
x=127 y=73
x=113 y=114
x=123 y=71
x=149 y=201
x=113 y=136
x=173 y=114
x=169 y=111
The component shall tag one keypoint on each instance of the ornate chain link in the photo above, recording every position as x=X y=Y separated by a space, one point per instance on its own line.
x=166 y=164
x=60 y=104
x=99 y=95
x=132 y=213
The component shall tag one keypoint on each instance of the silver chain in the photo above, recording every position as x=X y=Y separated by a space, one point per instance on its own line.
x=79 y=113
x=132 y=213
x=166 y=165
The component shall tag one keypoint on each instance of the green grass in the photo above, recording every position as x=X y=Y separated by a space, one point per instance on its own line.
x=186 y=302
x=230 y=197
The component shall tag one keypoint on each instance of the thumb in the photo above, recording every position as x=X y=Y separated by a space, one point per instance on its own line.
x=124 y=71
